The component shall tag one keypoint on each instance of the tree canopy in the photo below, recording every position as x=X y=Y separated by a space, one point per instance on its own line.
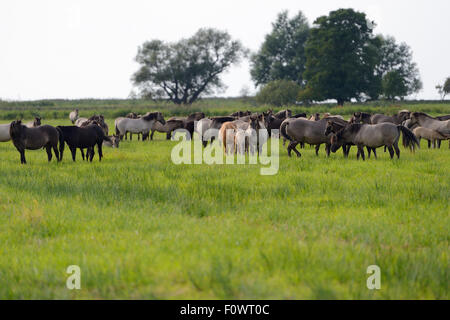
x=341 y=56
x=185 y=70
x=282 y=55
x=397 y=58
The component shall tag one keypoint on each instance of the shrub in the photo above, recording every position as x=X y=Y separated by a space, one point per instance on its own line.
x=279 y=93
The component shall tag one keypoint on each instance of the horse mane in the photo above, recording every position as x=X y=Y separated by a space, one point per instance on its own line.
x=150 y=116
x=352 y=128
x=416 y=114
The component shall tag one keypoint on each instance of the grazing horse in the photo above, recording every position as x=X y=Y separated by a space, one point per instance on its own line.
x=305 y=131
x=100 y=121
x=73 y=116
x=227 y=137
x=35 y=123
x=36 y=138
x=142 y=125
x=334 y=127
x=374 y=136
x=4 y=132
x=429 y=134
x=83 y=138
x=175 y=123
x=170 y=126
x=114 y=143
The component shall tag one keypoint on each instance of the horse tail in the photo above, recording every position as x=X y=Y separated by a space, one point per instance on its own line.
x=409 y=138
x=61 y=142
x=283 y=130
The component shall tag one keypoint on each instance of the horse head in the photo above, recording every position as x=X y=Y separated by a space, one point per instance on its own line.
x=16 y=128
x=37 y=121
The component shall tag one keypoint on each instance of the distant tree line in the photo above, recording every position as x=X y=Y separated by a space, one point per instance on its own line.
x=338 y=58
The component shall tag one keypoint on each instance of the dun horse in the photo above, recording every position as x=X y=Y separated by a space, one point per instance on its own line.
x=73 y=116
x=374 y=136
x=35 y=123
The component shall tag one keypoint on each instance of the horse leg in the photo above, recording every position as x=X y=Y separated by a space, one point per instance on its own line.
x=82 y=153
x=368 y=152
x=344 y=149
x=151 y=135
x=169 y=135
x=74 y=153
x=439 y=144
x=317 y=149
x=375 y=153
x=397 y=150
x=91 y=154
x=328 y=149
x=385 y=148
x=22 y=156
x=48 y=148
x=100 y=151
x=391 y=152
x=361 y=151
x=291 y=147
x=429 y=144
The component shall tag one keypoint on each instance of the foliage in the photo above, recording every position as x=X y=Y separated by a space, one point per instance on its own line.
x=341 y=55
x=444 y=89
x=279 y=93
x=394 y=85
x=184 y=71
x=282 y=55
x=398 y=58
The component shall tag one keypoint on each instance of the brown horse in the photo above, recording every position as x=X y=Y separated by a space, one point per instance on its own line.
x=36 y=138
x=227 y=136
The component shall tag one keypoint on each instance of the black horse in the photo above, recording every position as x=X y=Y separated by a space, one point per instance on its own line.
x=83 y=138
x=45 y=136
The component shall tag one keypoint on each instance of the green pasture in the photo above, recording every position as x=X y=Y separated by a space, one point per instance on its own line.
x=141 y=227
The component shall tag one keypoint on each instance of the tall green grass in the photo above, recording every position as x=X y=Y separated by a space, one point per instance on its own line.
x=141 y=227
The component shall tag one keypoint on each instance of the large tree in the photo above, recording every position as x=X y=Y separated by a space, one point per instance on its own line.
x=185 y=70
x=341 y=54
x=396 y=60
x=282 y=55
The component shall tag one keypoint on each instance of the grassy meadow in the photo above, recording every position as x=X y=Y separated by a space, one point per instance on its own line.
x=141 y=227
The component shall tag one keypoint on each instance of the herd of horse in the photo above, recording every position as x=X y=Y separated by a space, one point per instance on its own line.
x=239 y=132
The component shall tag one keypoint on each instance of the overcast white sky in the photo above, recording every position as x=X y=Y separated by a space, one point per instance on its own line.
x=85 y=49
